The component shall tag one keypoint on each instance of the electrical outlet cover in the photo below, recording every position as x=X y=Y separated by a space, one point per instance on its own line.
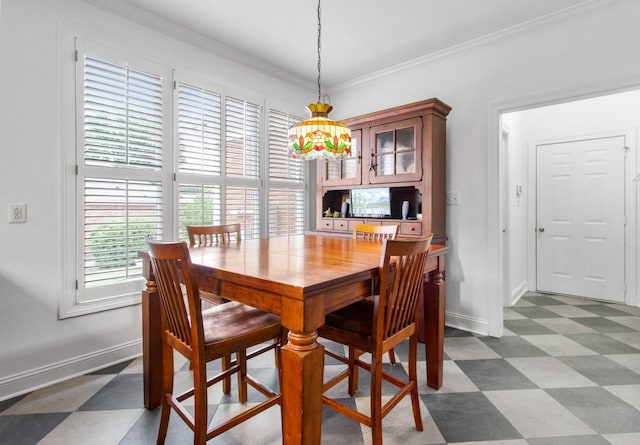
x=17 y=213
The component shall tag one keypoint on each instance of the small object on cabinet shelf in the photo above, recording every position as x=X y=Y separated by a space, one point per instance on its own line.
x=336 y=214
x=405 y=209
x=328 y=213
x=345 y=209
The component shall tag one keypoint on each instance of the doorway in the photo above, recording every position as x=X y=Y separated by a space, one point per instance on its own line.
x=603 y=264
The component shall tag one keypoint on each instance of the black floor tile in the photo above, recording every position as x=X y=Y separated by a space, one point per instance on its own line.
x=508 y=347
x=603 y=310
x=123 y=392
x=494 y=374
x=598 y=408
x=467 y=417
x=527 y=327
x=28 y=429
x=535 y=312
x=9 y=402
x=602 y=344
x=603 y=325
x=115 y=369
x=601 y=370
x=542 y=300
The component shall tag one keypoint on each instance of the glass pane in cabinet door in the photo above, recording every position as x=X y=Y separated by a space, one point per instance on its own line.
x=384 y=142
x=350 y=168
x=333 y=169
x=406 y=162
x=386 y=165
x=405 y=139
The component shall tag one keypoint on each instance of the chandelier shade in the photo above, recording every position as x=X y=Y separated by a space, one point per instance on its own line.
x=319 y=137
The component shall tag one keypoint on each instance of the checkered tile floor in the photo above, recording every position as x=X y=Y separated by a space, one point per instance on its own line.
x=567 y=371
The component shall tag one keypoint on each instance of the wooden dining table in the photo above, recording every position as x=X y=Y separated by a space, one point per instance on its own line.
x=300 y=278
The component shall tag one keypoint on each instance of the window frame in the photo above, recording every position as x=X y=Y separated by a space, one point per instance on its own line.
x=73 y=43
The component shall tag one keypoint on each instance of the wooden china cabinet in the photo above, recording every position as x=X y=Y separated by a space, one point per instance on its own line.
x=402 y=148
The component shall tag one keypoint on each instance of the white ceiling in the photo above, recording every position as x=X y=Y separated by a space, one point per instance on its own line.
x=359 y=37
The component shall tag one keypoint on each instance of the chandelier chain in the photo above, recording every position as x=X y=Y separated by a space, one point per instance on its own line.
x=319 y=59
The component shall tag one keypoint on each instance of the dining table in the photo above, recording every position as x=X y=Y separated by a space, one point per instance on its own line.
x=300 y=278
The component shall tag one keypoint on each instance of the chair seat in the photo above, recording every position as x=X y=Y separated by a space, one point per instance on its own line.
x=237 y=326
x=354 y=322
x=356 y=318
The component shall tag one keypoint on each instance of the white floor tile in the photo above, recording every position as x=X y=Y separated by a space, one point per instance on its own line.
x=549 y=372
x=534 y=413
x=93 y=427
x=628 y=393
x=467 y=348
x=66 y=396
x=558 y=345
x=623 y=439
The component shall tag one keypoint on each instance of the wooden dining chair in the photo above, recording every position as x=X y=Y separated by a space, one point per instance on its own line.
x=379 y=327
x=212 y=235
x=372 y=232
x=202 y=336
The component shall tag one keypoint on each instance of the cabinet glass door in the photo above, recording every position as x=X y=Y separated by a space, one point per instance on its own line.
x=395 y=155
x=344 y=171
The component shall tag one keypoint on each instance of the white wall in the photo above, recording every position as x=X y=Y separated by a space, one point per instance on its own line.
x=515 y=214
x=37 y=348
x=612 y=114
x=592 y=53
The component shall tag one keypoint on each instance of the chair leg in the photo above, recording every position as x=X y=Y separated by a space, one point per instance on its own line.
x=392 y=356
x=376 y=399
x=226 y=382
x=241 y=356
x=353 y=371
x=201 y=405
x=167 y=390
x=413 y=377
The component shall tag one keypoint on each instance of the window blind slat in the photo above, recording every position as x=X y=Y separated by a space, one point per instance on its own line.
x=242 y=142
x=118 y=217
x=122 y=116
x=281 y=166
x=122 y=130
x=199 y=130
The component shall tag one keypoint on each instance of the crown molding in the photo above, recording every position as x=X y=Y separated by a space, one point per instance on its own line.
x=586 y=8
x=179 y=32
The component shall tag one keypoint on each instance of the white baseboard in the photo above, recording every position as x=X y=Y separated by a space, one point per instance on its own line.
x=517 y=293
x=27 y=381
x=466 y=323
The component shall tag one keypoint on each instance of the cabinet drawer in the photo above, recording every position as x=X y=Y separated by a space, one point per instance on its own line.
x=341 y=225
x=411 y=228
x=327 y=224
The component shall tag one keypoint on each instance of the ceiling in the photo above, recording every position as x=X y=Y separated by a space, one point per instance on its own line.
x=359 y=37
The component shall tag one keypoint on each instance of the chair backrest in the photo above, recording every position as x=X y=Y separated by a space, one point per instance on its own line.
x=373 y=232
x=211 y=235
x=402 y=268
x=171 y=264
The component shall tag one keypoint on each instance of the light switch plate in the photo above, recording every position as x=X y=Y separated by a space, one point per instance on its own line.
x=453 y=198
x=17 y=213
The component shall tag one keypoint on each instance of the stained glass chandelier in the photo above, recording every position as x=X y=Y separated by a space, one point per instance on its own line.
x=319 y=137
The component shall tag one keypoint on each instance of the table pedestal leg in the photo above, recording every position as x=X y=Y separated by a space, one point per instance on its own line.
x=151 y=346
x=302 y=368
x=434 y=308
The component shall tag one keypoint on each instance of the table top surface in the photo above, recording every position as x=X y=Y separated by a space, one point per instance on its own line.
x=299 y=263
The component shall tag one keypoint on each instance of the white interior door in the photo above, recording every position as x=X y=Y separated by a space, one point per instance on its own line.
x=581 y=217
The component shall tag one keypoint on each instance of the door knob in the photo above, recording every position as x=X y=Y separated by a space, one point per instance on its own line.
x=540 y=229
